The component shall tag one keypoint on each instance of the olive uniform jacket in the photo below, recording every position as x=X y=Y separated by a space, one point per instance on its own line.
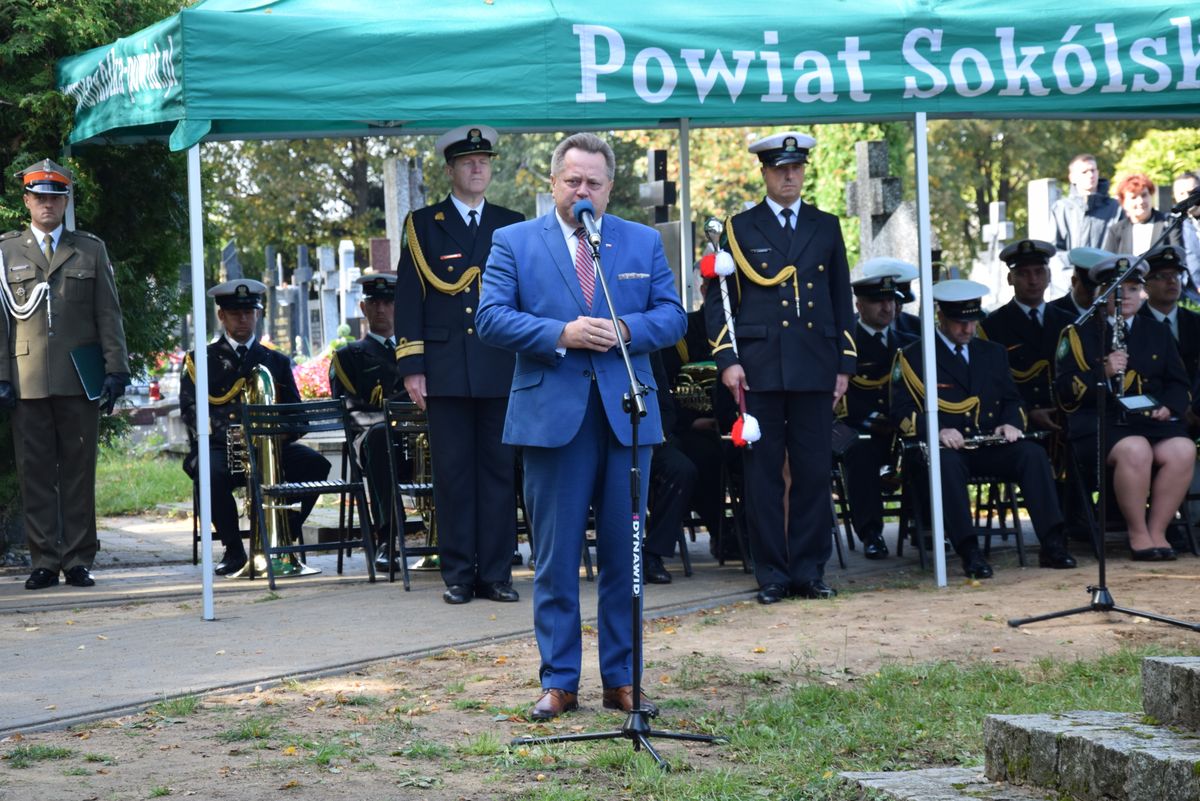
x=1030 y=348
x=974 y=398
x=790 y=298
x=83 y=310
x=437 y=296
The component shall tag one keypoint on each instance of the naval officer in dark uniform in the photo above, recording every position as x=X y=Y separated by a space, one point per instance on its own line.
x=976 y=397
x=59 y=300
x=866 y=403
x=795 y=354
x=461 y=383
x=1166 y=271
x=231 y=358
x=364 y=371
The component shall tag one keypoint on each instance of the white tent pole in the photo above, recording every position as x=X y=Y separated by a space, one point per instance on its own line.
x=685 y=213
x=928 y=354
x=200 y=349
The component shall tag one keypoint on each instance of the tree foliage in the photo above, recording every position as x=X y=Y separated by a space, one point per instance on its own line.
x=1162 y=155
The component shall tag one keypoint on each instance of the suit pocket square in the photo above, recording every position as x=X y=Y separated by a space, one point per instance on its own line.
x=631 y=276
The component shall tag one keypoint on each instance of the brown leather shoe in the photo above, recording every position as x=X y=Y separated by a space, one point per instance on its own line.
x=553 y=703
x=621 y=698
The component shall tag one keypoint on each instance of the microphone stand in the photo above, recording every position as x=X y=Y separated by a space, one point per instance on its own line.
x=1102 y=600
x=636 y=727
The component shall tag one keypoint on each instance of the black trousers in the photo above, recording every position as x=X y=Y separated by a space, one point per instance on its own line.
x=474 y=492
x=300 y=463
x=864 y=489
x=1022 y=462
x=685 y=474
x=371 y=455
x=800 y=425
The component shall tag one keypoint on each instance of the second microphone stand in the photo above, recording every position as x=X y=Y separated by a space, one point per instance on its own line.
x=636 y=727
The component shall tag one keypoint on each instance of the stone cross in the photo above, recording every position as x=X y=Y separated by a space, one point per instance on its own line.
x=998 y=229
x=873 y=196
x=1042 y=194
x=403 y=191
x=988 y=269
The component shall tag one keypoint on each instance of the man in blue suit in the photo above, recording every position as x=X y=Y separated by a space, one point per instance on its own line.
x=565 y=407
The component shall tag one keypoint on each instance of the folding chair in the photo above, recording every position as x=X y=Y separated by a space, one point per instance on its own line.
x=408 y=443
x=286 y=421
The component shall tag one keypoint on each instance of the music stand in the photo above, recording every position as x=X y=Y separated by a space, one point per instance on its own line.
x=1102 y=600
x=636 y=727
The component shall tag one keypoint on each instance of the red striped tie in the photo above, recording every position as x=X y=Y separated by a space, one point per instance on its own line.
x=584 y=269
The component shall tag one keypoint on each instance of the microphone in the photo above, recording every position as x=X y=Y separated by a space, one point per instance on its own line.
x=1191 y=200
x=585 y=212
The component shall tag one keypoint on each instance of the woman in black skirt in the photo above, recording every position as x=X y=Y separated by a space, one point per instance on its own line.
x=1148 y=452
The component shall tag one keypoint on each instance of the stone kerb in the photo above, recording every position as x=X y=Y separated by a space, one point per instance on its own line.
x=1171 y=690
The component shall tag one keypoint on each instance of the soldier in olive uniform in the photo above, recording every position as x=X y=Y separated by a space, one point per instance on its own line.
x=865 y=406
x=791 y=304
x=62 y=332
x=461 y=383
x=231 y=357
x=976 y=396
x=365 y=372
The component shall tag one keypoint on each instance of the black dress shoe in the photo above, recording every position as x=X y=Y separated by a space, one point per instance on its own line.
x=655 y=572
x=772 y=593
x=1056 y=558
x=501 y=591
x=517 y=561
x=1146 y=554
x=1168 y=554
x=381 y=561
x=458 y=594
x=875 y=548
x=814 y=589
x=975 y=566
x=40 y=579
x=80 y=576
x=230 y=563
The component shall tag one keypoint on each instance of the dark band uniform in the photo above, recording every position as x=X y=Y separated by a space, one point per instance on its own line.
x=975 y=398
x=1154 y=368
x=54 y=423
x=437 y=294
x=364 y=371
x=866 y=408
x=228 y=374
x=790 y=297
x=1030 y=344
x=1187 y=332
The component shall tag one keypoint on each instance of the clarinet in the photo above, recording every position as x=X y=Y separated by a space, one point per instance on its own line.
x=1118 y=343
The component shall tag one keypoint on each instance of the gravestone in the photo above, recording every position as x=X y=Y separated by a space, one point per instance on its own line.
x=1043 y=193
x=327 y=295
x=380 y=250
x=888 y=224
x=403 y=191
x=987 y=268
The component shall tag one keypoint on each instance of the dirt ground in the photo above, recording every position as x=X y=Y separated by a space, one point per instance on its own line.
x=438 y=728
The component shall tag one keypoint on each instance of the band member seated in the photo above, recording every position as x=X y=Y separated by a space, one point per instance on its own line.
x=876 y=297
x=1077 y=301
x=904 y=322
x=1148 y=450
x=1166 y=272
x=978 y=404
x=364 y=371
x=231 y=358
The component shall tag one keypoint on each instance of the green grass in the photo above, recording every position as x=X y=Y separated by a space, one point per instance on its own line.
x=179 y=707
x=792 y=745
x=483 y=744
x=159 y=792
x=249 y=729
x=25 y=755
x=128 y=484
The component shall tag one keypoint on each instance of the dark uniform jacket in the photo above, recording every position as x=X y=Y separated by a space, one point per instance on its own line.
x=692 y=349
x=1155 y=369
x=83 y=305
x=226 y=379
x=1067 y=306
x=437 y=295
x=1189 y=337
x=790 y=298
x=365 y=372
x=1030 y=349
x=869 y=389
x=908 y=324
x=974 y=398
x=1120 y=233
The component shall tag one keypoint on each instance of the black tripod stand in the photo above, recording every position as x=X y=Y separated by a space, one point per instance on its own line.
x=636 y=727
x=1102 y=600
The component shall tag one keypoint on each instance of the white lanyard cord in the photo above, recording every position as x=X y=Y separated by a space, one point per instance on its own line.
x=22 y=311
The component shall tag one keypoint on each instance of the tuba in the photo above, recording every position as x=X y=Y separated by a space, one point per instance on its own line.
x=259 y=389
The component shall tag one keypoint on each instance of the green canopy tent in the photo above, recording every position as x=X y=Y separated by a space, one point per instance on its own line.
x=261 y=69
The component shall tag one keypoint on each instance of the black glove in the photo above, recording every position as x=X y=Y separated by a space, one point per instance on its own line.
x=114 y=387
x=8 y=398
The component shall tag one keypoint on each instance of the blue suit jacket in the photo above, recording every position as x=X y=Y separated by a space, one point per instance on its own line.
x=530 y=292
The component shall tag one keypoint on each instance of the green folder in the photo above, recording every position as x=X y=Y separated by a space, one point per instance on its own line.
x=89 y=363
